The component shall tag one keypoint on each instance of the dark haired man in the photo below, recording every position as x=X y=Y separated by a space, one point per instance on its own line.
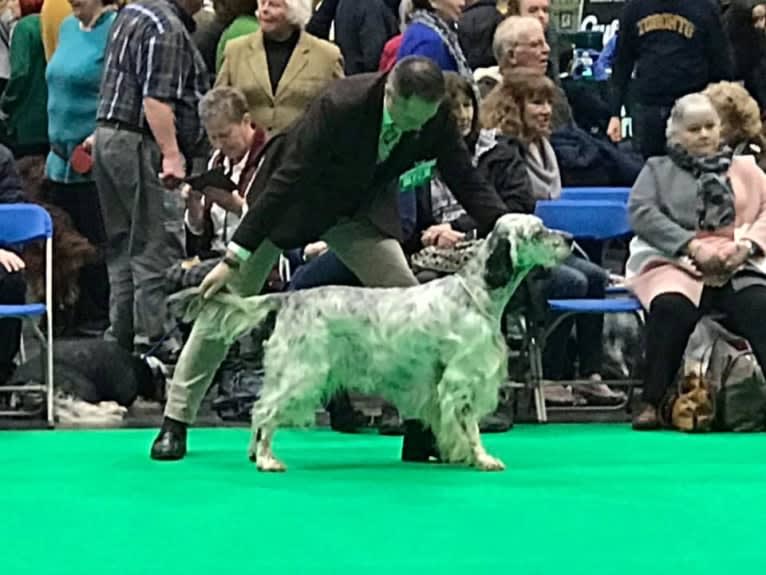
x=326 y=178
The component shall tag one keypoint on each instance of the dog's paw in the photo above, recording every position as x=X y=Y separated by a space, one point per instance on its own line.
x=270 y=464
x=489 y=463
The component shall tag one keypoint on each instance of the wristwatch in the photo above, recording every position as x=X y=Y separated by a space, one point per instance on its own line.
x=231 y=261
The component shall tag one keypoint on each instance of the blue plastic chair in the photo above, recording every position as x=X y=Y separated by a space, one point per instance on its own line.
x=596 y=194
x=21 y=224
x=592 y=219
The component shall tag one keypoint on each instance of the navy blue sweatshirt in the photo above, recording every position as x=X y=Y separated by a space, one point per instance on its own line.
x=676 y=46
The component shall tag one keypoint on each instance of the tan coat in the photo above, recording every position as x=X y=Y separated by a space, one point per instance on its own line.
x=312 y=66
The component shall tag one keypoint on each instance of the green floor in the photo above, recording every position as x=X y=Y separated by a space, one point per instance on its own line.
x=574 y=499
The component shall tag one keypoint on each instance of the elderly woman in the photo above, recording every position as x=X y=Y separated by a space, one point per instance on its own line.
x=280 y=68
x=212 y=214
x=432 y=33
x=521 y=107
x=741 y=126
x=699 y=214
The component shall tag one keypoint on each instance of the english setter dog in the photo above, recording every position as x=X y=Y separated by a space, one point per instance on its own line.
x=435 y=351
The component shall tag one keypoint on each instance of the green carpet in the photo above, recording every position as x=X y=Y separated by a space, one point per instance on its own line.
x=575 y=499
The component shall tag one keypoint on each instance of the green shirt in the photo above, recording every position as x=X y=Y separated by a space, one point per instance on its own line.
x=389 y=136
x=24 y=102
x=242 y=26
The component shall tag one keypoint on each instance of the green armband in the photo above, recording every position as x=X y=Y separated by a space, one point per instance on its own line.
x=417 y=176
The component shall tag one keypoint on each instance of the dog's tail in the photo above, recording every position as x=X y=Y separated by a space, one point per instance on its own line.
x=224 y=315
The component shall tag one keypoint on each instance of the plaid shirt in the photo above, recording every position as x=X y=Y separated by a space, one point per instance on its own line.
x=151 y=55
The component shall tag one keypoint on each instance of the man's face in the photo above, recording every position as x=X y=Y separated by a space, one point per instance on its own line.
x=410 y=114
x=532 y=50
x=538 y=9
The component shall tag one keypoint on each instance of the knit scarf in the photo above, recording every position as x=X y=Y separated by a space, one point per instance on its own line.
x=715 y=196
x=543 y=170
x=448 y=34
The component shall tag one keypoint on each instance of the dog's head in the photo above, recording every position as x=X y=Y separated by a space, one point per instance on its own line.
x=519 y=243
x=692 y=407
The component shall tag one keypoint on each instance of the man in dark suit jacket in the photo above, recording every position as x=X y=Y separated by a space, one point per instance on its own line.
x=326 y=178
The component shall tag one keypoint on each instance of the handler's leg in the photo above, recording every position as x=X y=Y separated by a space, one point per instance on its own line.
x=379 y=261
x=376 y=260
x=202 y=354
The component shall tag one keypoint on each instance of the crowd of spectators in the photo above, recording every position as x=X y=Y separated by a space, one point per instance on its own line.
x=124 y=102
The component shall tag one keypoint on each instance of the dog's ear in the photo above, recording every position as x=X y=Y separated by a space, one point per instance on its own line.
x=499 y=267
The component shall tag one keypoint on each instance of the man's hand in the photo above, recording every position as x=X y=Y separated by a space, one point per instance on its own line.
x=88 y=143
x=614 y=130
x=229 y=201
x=431 y=235
x=11 y=262
x=314 y=250
x=216 y=278
x=449 y=239
x=173 y=170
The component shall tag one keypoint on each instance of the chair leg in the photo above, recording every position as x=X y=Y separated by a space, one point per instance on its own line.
x=46 y=361
x=536 y=367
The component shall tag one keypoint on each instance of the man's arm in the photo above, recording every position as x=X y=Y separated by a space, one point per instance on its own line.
x=321 y=21
x=162 y=123
x=169 y=67
x=718 y=51
x=373 y=33
x=307 y=147
x=464 y=181
x=624 y=60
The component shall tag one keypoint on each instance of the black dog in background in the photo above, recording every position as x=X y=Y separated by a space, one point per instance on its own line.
x=94 y=371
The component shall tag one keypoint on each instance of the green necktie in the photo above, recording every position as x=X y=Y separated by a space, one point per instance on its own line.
x=389 y=137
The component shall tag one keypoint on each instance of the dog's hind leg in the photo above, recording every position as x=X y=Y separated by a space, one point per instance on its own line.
x=261 y=452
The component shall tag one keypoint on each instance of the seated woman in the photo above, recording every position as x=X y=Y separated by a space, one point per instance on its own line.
x=521 y=107
x=741 y=126
x=441 y=221
x=700 y=225
x=212 y=214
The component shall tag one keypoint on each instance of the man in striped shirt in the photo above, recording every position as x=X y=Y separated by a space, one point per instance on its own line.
x=148 y=133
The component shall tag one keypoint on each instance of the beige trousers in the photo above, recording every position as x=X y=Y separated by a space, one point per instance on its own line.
x=376 y=260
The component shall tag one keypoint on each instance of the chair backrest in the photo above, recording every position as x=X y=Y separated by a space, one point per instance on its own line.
x=600 y=220
x=22 y=223
x=596 y=194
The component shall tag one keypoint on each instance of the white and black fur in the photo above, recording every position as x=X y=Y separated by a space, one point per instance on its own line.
x=435 y=351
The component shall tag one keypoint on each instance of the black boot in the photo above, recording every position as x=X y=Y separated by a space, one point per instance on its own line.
x=419 y=443
x=170 y=444
x=343 y=417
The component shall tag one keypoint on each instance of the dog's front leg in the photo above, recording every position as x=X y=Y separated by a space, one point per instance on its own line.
x=260 y=450
x=481 y=459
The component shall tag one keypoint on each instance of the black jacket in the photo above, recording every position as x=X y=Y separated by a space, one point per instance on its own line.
x=362 y=28
x=504 y=168
x=325 y=168
x=676 y=46
x=476 y=31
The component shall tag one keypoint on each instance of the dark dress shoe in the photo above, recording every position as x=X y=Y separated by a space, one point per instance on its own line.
x=343 y=417
x=646 y=419
x=419 y=444
x=170 y=444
